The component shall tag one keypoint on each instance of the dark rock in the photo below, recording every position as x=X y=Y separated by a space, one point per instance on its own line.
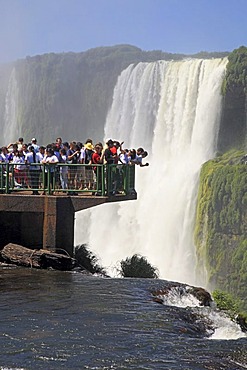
x=242 y=322
x=202 y=295
x=43 y=259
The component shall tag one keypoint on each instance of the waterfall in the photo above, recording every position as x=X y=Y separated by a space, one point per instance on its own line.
x=172 y=109
x=11 y=130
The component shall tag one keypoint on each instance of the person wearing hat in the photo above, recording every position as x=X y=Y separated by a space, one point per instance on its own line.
x=73 y=157
x=34 y=145
x=88 y=152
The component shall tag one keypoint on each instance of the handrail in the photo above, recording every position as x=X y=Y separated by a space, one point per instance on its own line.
x=71 y=179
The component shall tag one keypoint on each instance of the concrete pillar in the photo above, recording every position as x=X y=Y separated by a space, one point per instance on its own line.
x=58 y=224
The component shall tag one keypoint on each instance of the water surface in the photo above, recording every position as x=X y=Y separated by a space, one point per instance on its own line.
x=55 y=320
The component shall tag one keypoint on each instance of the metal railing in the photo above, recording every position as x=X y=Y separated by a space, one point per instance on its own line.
x=71 y=179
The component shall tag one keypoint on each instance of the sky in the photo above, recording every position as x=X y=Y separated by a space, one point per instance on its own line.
x=32 y=27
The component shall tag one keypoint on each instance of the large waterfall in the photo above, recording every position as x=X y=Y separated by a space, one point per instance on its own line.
x=11 y=130
x=172 y=109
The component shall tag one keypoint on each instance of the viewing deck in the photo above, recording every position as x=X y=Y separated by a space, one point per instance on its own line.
x=37 y=212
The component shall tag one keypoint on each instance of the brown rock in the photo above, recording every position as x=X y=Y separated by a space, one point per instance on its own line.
x=21 y=256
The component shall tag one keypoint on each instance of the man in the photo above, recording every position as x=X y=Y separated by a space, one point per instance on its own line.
x=34 y=145
x=31 y=159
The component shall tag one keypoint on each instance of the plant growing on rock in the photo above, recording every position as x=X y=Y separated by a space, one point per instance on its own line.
x=86 y=259
x=137 y=267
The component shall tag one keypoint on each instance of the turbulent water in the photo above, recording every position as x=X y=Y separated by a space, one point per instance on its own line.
x=172 y=109
x=61 y=320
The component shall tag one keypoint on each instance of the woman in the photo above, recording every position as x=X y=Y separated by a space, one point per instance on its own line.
x=97 y=158
x=50 y=160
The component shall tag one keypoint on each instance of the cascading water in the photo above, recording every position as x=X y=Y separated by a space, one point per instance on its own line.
x=11 y=109
x=172 y=109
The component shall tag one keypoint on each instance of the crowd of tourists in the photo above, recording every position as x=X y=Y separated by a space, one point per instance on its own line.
x=26 y=160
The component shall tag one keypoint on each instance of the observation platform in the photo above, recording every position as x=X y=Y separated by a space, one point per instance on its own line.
x=46 y=220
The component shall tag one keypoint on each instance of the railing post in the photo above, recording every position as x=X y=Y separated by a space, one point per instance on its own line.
x=103 y=169
x=49 y=179
x=7 y=179
x=2 y=178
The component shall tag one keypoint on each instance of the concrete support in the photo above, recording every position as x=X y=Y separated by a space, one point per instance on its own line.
x=58 y=224
x=44 y=221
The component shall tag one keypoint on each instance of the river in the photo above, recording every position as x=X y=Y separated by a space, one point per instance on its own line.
x=55 y=320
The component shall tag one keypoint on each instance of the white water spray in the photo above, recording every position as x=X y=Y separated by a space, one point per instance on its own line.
x=172 y=109
x=222 y=327
x=11 y=110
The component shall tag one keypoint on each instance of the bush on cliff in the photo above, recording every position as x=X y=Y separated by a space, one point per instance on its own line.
x=137 y=267
x=236 y=76
x=85 y=258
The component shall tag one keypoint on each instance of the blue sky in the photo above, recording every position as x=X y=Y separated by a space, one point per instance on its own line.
x=31 y=27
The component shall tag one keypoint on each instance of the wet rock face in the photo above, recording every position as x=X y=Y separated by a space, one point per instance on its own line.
x=201 y=294
x=242 y=322
x=192 y=319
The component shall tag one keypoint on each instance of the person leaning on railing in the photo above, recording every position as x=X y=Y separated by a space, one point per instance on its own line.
x=50 y=159
x=98 y=158
x=73 y=157
x=31 y=159
x=20 y=174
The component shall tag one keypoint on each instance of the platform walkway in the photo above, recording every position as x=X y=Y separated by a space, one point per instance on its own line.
x=46 y=220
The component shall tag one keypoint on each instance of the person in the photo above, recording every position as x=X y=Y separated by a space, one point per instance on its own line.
x=124 y=157
x=40 y=155
x=49 y=160
x=88 y=150
x=4 y=155
x=19 y=168
x=59 y=143
x=31 y=159
x=97 y=158
x=73 y=157
x=34 y=145
x=144 y=155
x=110 y=155
x=81 y=169
x=63 y=169
x=140 y=153
x=24 y=148
x=20 y=142
x=12 y=152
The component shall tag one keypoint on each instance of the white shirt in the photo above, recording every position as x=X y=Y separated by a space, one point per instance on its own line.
x=50 y=159
x=82 y=155
x=19 y=162
x=29 y=158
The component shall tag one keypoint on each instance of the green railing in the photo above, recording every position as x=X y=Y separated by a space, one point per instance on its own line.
x=71 y=179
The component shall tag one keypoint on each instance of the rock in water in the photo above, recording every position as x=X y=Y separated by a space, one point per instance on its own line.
x=38 y=258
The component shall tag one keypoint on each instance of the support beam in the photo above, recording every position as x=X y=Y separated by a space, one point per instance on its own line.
x=58 y=224
x=45 y=221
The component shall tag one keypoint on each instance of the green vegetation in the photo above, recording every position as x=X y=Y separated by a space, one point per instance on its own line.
x=233 y=127
x=231 y=306
x=236 y=71
x=137 y=267
x=85 y=258
x=225 y=302
x=221 y=224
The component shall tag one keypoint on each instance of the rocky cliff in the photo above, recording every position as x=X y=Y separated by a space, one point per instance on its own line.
x=221 y=224
x=221 y=219
x=66 y=94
